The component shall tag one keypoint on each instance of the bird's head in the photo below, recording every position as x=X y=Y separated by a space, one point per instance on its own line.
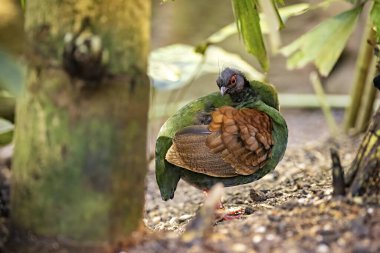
x=231 y=81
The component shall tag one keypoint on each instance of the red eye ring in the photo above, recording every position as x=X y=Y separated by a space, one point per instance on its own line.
x=233 y=79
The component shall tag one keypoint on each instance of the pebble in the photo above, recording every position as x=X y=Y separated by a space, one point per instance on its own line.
x=260 y=229
x=160 y=226
x=274 y=218
x=322 y=248
x=257 y=195
x=239 y=247
x=270 y=237
x=173 y=221
x=156 y=219
x=257 y=239
x=302 y=201
x=184 y=217
x=248 y=210
x=223 y=231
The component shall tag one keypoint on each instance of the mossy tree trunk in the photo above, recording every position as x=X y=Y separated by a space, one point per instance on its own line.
x=363 y=177
x=80 y=146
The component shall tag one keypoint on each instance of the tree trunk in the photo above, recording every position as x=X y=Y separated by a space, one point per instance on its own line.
x=363 y=177
x=80 y=147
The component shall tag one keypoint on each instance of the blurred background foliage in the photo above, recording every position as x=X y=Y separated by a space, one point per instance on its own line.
x=306 y=35
x=194 y=40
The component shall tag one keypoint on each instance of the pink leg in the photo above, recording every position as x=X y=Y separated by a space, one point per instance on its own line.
x=224 y=214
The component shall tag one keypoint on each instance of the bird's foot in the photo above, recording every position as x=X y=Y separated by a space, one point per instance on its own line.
x=224 y=214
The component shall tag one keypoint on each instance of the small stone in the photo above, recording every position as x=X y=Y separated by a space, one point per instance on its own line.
x=239 y=247
x=156 y=219
x=257 y=239
x=302 y=201
x=260 y=229
x=159 y=226
x=322 y=248
x=173 y=221
x=184 y=217
x=257 y=196
x=274 y=218
x=223 y=231
x=248 y=210
x=270 y=237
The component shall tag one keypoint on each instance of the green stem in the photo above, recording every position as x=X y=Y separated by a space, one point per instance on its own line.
x=369 y=95
x=361 y=73
x=324 y=104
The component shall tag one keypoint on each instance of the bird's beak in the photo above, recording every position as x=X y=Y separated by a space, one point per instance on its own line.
x=223 y=90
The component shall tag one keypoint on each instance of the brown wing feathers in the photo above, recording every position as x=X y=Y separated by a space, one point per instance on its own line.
x=237 y=141
x=189 y=151
x=246 y=136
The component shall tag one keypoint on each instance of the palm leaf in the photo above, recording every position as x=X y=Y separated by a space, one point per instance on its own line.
x=324 y=44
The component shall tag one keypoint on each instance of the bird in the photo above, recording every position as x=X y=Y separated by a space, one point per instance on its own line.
x=233 y=137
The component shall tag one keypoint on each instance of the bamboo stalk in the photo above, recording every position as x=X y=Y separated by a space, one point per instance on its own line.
x=368 y=99
x=361 y=71
x=321 y=96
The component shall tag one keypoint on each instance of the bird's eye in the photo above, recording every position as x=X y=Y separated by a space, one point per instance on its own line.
x=233 y=80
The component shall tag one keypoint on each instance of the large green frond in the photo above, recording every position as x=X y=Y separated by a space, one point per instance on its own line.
x=324 y=44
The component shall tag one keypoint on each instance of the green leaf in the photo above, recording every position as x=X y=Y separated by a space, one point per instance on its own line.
x=174 y=66
x=6 y=131
x=12 y=74
x=231 y=29
x=293 y=10
x=375 y=16
x=248 y=24
x=323 y=44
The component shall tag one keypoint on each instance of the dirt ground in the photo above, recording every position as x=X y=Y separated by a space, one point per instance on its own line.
x=289 y=210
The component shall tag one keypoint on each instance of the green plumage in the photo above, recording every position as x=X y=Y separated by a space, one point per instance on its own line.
x=168 y=175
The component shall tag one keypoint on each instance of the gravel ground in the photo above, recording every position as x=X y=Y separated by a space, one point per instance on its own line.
x=290 y=210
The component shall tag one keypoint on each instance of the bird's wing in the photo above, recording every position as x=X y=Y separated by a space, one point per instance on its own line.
x=237 y=142
x=189 y=151
x=243 y=137
x=167 y=174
